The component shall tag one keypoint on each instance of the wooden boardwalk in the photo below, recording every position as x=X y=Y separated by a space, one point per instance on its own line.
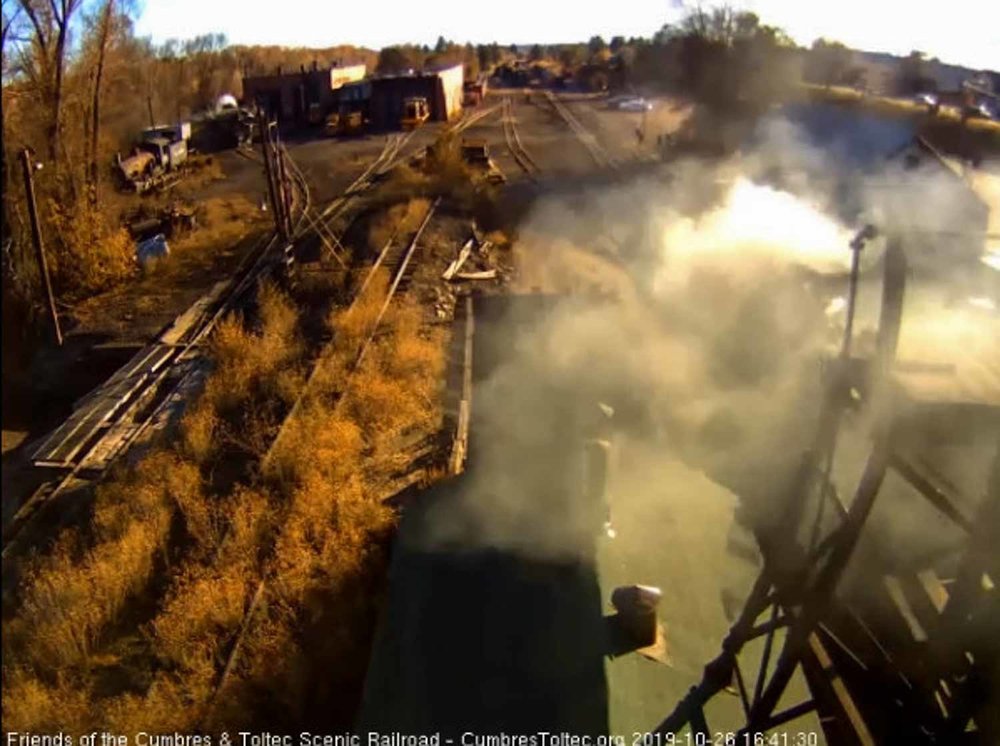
x=103 y=421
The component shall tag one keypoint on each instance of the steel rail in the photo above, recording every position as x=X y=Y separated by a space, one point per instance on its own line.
x=261 y=586
x=600 y=155
x=514 y=144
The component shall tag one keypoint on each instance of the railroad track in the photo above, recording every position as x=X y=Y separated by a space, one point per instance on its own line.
x=141 y=394
x=385 y=161
x=514 y=144
x=398 y=259
x=456 y=129
x=466 y=122
x=246 y=151
x=107 y=422
x=600 y=155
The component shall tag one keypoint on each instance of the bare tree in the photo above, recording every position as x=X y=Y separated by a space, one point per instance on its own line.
x=10 y=18
x=51 y=23
x=828 y=61
x=103 y=35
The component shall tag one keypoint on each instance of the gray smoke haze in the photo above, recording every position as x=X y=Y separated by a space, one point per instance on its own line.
x=696 y=302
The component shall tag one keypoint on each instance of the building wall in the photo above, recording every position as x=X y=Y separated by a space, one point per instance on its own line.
x=288 y=95
x=386 y=104
x=452 y=81
x=443 y=91
x=341 y=75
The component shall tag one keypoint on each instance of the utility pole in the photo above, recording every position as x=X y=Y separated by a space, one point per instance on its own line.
x=28 y=165
x=284 y=194
x=281 y=177
x=272 y=191
x=149 y=107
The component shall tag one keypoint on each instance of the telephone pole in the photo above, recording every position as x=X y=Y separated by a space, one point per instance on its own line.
x=265 y=152
x=28 y=166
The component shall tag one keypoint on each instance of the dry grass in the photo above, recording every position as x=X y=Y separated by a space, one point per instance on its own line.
x=199 y=617
x=221 y=222
x=88 y=254
x=394 y=387
x=203 y=169
x=450 y=176
x=398 y=220
x=72 y=595
x=321 y=605
x=248 y=362
x=403 y=183
x=30 y=704
x=198 y=432
x=250 y=516
x=315 y=528
x=203 y=609
x=173 y=703
x=351 y=325
x=443 y=173
x=332 y=440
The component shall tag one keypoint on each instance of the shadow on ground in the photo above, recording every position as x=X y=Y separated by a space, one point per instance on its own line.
x=486 y=640
x=494 y=621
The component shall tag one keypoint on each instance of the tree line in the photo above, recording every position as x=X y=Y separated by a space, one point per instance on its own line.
x=78 y=86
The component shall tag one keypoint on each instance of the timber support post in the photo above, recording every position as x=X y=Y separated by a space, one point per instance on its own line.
x=28 y=165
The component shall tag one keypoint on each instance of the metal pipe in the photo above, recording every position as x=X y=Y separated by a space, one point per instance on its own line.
x=856 y=246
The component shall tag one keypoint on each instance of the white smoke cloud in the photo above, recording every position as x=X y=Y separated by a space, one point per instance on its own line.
x=724 y=293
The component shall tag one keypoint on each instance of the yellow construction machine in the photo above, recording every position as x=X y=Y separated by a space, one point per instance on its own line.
x=415 y=112
x=344 y=123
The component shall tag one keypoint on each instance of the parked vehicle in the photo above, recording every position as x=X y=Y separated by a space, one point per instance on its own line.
x=475 y=152
x=980 y=110
x=930 y=100
x=636 y=104
x=172 y=132
x=339 y=124
x=153 y=158
x=415 y=112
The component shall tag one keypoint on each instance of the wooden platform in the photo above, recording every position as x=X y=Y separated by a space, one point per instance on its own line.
x=103 y=420
x=94 y=411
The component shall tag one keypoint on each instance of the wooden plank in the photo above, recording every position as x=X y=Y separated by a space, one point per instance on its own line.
x=68 y=439
x=135 y=363
x=109 y=446
x=844 y=700
x=934 y=588
x=456 y=265
x=460 y=445
x=895 y=590
x=183 y=323
x=489 y=274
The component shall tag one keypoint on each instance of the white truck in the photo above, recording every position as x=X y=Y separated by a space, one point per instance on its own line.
x=160 y=153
